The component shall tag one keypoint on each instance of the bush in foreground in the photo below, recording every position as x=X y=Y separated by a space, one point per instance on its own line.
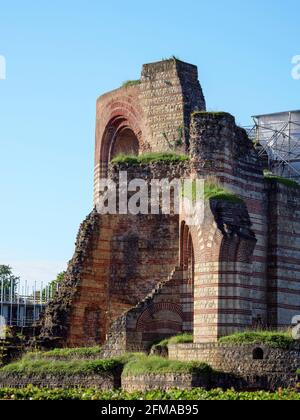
x=32 y=393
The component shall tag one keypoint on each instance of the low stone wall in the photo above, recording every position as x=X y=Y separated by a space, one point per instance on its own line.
x=103 y=382
x=149 y=382
x=244 y=366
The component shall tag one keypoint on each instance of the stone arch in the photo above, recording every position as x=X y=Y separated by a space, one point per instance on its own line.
x=116 y=115
x=235 y=268
x=119 y=137
x=163 y=319
x=125 y=142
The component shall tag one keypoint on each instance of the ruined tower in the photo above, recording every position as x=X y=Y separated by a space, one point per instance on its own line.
x=137 y=279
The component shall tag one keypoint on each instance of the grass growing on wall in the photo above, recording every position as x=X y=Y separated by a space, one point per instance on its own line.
x=281 y=180
x=197 y=394
x=71 y=353
x=43 y=367
x=143 y=364
x=158 y=157
x=215 y=191
x=129 y=83
x=274 y=339
x=178 y=339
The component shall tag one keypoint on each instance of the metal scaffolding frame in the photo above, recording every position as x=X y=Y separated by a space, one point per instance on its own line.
x=277 y=139
x=22 y=305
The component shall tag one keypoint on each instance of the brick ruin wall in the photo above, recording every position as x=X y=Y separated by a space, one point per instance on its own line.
x=157 y=110
x=283 y=254
x=134 y=279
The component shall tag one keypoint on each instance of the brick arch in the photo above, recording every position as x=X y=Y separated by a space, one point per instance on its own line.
x=187 y=264
x=147 y=323
x=116 y=114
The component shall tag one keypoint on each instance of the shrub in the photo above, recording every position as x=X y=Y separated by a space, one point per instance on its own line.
x=197 y=394
x=274 y=339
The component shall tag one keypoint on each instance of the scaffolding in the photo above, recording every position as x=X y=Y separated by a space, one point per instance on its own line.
x=277 y=139
x=22 y=305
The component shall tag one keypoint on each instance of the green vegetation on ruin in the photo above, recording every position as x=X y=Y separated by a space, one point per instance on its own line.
x=281 y=180
x=147 y=158
x=54 y=367
x=129 y=83
x=68 y=353
x=197 y=394
x=215 y=191
x=210 y=113
x=178 y=339
x=143 y=364
x=271 y=338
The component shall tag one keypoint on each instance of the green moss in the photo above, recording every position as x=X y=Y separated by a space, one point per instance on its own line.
x=130 y=83
x=281 y=180
x=143 y=364
x=274 y=339
x=150 y=158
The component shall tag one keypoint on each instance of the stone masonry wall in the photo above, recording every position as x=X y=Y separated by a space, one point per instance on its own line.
x=103 y=382
x=283 y=254
x=277 y=368
x=238 y=285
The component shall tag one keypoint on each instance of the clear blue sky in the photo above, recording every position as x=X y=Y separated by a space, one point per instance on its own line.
x=61 y=55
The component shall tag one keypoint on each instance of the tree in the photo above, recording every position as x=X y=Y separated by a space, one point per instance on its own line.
x=8 y=282
x=51 y=289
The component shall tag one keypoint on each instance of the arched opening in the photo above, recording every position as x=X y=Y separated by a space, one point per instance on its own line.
x=125 y=143
x=258 y=354
x=119 y=138
x=187 y=262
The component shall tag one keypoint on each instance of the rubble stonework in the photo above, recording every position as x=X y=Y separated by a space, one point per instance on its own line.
x=136 y=279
